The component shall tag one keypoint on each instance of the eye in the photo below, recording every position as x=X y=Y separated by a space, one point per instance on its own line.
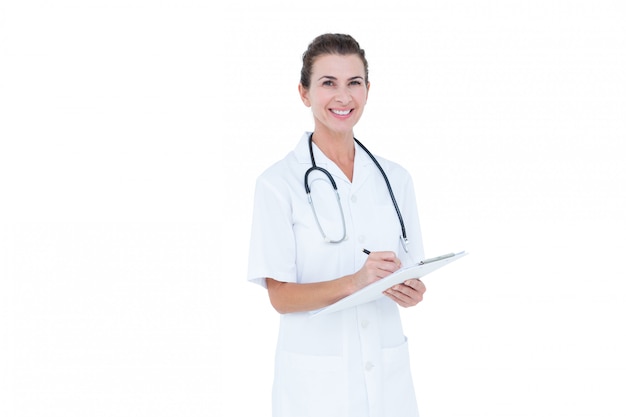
x=355 y=82
x=328 y=83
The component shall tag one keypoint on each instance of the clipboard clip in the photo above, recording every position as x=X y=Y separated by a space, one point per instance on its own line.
x=437 y=258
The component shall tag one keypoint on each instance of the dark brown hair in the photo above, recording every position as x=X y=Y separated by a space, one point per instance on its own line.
x=329 y=44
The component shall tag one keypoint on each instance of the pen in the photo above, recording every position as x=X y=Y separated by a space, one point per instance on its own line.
x=365 y=251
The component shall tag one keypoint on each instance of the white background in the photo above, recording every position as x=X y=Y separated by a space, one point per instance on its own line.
x=131 y=133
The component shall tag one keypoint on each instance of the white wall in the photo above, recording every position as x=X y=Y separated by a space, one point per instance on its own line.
x=131 y=133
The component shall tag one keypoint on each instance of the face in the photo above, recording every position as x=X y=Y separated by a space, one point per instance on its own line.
x=337 y=94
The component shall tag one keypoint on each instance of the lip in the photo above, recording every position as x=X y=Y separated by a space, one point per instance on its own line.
x=341 y=116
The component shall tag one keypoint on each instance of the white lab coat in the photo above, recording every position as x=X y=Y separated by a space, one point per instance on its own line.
x=352 y=363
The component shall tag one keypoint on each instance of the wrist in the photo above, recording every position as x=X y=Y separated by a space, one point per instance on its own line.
x=352 y=284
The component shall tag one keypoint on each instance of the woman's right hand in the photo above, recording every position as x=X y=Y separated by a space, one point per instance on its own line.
x=377 y=266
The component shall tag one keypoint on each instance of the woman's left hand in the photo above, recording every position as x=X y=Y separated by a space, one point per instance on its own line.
x=408 y=293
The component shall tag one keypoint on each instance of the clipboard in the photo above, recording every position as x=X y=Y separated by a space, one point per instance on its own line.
x=375 y=289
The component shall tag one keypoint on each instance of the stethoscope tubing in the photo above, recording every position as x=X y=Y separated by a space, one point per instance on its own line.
x=393 y=197
x=314 y=167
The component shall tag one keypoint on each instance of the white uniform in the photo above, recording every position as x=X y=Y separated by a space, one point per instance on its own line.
x=355 y=362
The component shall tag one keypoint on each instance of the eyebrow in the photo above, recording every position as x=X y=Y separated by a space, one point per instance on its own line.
x=335 y=78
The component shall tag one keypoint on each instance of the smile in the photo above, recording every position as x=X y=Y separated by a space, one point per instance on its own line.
x=341 y=112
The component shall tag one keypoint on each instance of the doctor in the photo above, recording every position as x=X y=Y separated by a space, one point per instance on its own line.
x=355 y=362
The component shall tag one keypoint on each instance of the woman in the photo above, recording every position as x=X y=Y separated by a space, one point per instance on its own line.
x=352 y=362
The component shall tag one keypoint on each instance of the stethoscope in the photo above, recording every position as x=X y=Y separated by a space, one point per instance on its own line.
x=403 y=239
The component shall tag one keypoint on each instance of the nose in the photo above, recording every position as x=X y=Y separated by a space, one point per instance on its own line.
x=343 y=96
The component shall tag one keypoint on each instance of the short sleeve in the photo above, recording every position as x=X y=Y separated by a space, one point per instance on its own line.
x=272 y=243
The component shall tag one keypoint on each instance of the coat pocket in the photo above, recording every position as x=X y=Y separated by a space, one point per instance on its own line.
x=398 y=391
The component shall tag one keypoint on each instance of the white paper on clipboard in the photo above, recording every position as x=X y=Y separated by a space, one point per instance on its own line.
x=375 y=289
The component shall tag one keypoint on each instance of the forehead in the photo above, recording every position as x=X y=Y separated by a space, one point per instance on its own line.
x=338 y=66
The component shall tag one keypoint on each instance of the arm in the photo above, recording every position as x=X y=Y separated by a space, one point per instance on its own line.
x=289 y=297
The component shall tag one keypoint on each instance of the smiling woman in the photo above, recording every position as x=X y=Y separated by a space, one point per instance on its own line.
x=310 y=257
x=337 y=97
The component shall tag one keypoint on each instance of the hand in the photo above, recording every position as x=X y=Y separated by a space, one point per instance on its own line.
x=408 y=293
x=378 y=265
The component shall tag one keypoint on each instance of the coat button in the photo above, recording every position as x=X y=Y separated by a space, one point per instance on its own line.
x=369 y=366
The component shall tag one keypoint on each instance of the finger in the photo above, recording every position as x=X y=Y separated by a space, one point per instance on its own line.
x=403 y=289
x=405 y=295
x=384 y=268
x=416 y=284
x=388 y=256
x=400 y=298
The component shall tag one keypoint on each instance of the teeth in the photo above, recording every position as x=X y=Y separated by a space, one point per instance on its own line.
x=341 y=112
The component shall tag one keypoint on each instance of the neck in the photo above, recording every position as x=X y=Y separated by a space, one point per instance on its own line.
x=336 y=146
x=339 y=149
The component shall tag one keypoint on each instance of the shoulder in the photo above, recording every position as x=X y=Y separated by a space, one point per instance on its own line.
x=388 y=165
x=280 y=170
x=393 y=168
x=286 y=172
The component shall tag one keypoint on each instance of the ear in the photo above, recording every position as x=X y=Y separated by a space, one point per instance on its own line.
x=367 y=92
x=304 y=95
